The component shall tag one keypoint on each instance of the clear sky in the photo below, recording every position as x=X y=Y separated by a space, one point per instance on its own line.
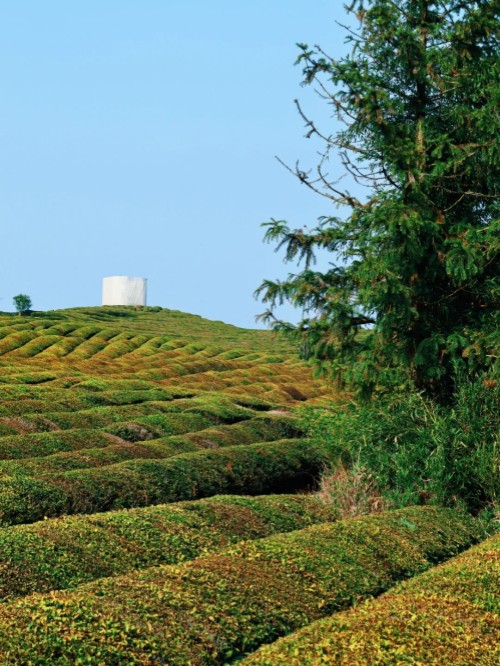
x=138 y=138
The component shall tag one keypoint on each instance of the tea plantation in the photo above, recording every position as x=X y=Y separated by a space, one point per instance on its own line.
x=157 y=506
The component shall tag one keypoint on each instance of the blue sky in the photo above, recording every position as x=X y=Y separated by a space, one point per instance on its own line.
x=138 y=138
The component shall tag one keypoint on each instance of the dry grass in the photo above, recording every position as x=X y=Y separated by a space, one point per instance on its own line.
x=352 y=491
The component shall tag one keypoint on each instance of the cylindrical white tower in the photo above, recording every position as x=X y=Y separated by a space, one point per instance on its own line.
x=123 y=290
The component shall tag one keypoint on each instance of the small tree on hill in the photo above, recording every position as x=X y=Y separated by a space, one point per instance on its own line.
x=22 y=303
x=415 y=262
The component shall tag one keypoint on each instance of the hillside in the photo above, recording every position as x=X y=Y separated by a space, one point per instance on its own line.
x=157 y=347
x=98 y=390
x=149 y=468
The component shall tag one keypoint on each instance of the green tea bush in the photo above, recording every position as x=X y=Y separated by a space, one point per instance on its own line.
x=157 y=425
x=35 y=377
x=416 y=450
x=260 y=429
x=15 y=340
x=216 y=608
x=64 y=552
x=128 y=397
x=49 y=399
x=266 y=467
x=223 y=407
x=448 y=615
x=217 y=409
x=97 y=417
x=46 y=443
x=35 y=346
x=88 y=348
x=88 y=458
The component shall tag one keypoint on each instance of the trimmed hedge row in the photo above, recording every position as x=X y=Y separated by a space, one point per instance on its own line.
x=140 y=429
x=22 y=399
x=110 y=454
x=96 y=417
x=65 y=552
x=212 y=609
x=259 y=429
x=216 y=608
x=449 y=615
x=280 y=466
x=217 y=408
x=45 y=443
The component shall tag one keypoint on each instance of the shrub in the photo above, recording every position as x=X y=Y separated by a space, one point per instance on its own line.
x=64 y=552
x=254 y=469
x=418 y=451
x=352 y=491
x=156 y=425
x=251 y=431
x=216 y=608
x=46 y=443
x=15 y=340
x=448 y=615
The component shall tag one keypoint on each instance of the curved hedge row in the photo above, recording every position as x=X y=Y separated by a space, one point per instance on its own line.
x=114 y=406
x=259 y=429
x=32 y=399
x=449 y=615
x=16 y=447
x=65 y=552
x=280 y=466
x=93 y=417
x=213 y=609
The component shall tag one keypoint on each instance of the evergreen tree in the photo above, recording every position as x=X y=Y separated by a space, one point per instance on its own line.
x=412 y=295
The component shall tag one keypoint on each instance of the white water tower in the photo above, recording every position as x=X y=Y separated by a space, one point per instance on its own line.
x=123 y=290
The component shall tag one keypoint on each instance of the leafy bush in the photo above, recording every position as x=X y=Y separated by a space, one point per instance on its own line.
x=448 y=615
x=280 y=466
x=46 y=443
x=156 y=425
x=419 y=451
x=262 y=428
x=64 y=552
x=215 y=608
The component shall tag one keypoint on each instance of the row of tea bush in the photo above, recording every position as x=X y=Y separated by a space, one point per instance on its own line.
x=67 y=551
x=213 y=609
x=448 y=615
x=82 y=449
x=266 y=467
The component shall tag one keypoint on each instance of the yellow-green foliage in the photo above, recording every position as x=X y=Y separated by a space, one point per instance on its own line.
x=251 y=469
x=47 y=443
x=99 y=408
x=107 y=408
x=261 y=428
x=155 y=345
x=448 y=615
x=64 y=552
x=215 y=608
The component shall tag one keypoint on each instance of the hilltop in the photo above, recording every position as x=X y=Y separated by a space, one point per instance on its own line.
x=143 y=348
